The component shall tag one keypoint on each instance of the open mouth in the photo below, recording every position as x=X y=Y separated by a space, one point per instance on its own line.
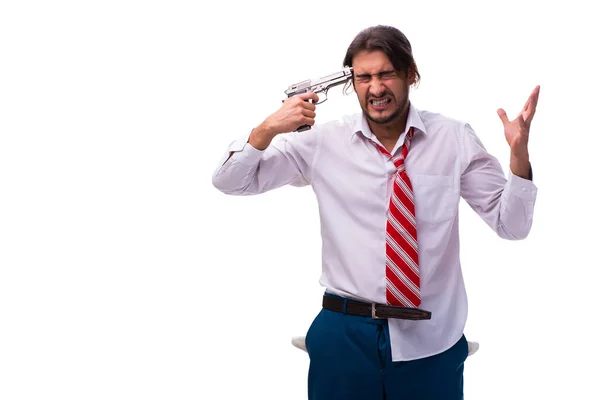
x=380 y=104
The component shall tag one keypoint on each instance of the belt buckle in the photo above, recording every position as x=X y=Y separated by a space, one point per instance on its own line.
x=374 y=311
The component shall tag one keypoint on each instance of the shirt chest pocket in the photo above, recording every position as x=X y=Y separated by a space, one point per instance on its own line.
x=436 y=198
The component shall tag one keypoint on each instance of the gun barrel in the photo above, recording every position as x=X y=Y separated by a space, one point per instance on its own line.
x=331 y=77
x=320 y=84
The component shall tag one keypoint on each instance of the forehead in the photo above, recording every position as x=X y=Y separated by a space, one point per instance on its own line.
x=370 y=62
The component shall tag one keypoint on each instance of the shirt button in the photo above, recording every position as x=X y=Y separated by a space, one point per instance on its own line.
x=523 y=188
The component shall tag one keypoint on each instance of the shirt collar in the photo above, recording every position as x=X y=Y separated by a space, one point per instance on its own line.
x=413 y=120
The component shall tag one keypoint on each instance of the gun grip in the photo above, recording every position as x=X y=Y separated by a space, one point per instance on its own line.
x=303 y=128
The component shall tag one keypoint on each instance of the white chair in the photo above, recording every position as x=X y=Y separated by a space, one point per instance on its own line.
x=299 y=342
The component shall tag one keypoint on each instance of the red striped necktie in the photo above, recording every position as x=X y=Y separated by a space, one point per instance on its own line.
x=402 y=256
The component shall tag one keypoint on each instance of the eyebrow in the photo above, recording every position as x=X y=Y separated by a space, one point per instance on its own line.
x=365 y=75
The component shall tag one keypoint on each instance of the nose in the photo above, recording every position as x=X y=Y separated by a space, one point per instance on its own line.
x=377 y=88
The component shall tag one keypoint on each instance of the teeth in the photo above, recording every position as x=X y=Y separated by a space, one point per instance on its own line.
x=380 y=102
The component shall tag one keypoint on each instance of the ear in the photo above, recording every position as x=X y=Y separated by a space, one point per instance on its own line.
x=412 y=76
x=348 y=86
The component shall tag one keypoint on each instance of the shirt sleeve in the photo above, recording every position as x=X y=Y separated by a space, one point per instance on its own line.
x=245 y=170
x=505 y=204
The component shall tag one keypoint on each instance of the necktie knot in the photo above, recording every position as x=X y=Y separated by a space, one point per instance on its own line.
x=399 y=163
x=399 y=159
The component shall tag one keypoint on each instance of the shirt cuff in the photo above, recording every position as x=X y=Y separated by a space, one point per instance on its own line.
x=244 y=152
x=523 y=188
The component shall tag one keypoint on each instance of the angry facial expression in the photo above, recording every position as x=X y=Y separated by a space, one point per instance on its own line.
x=381 y=89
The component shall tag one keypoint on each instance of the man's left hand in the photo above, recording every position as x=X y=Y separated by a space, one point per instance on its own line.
x=517 y=134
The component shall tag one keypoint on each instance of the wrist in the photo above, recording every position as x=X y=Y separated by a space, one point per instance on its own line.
x=520 y=166
x=261 y=137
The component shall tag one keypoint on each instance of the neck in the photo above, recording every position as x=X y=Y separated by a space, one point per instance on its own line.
x=389 y=133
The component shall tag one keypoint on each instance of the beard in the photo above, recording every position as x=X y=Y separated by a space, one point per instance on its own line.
x=390 y=118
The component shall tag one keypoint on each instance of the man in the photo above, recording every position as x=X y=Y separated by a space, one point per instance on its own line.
x=388 y=183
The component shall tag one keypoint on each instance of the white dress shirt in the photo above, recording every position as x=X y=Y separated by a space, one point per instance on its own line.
x=353 y=182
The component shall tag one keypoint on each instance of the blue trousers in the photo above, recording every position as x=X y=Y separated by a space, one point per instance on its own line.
x=350 y=359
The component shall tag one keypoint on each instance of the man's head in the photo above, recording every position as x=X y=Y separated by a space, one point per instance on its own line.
x=384 y=69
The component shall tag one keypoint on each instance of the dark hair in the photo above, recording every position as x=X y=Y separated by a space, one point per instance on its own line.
x=388 y=40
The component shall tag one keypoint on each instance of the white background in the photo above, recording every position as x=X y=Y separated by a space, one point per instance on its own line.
x=124 y=274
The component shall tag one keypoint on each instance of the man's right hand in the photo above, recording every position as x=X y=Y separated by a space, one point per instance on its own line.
x=295 y=111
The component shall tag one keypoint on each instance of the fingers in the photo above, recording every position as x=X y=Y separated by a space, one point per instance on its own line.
x=309 y=96
x=307 y=105
x=526 y=115
x=535 y=94
x=527 y=105
x=530 y=101
x=308 y=116
x=309 y=113
x=502 y=115
x=298 y=110
x=530 y=106
x=309 y=121
x=303 y=100
x=534 y=98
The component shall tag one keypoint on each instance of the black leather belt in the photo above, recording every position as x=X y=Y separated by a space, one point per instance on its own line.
x=374 y=310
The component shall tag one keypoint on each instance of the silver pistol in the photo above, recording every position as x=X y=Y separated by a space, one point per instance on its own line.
x=320 y=85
